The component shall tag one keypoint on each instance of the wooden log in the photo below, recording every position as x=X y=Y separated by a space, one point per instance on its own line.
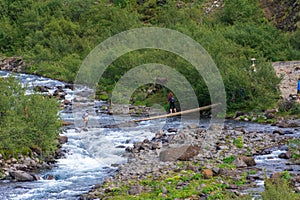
x=177 y=113
x=132 y=123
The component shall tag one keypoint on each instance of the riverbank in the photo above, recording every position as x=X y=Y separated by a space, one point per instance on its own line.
x=30 y=139
x=172 y=172
x=193 y=163
x=27 y=167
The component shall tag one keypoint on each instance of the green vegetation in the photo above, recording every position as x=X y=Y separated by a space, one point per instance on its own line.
x=238 y=142
x=172 y=185
x=27 y=123
x=228 y=163
x=229 y=159
x=294 y=147
x=289 y=108
x=55 y=36
x=278 y=189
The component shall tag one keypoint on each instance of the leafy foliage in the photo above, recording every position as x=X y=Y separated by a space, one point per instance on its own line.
x=238 y=142
x=294 y=147
x=26 y=122
x=55 y=36
x=278 y=189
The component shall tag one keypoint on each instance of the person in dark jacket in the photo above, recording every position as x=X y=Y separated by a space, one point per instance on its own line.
x=171 y=100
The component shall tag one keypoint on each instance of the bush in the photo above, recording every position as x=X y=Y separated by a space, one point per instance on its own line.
x=278 y=189
x=238 y=142
x=27 y=123
x=55 y=36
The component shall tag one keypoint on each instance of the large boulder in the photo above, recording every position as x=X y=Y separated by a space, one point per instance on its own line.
x=270 y=114
x=248 y=160
x=21 y=176
x=134 y=190
x=63 y=139
x=183 y=153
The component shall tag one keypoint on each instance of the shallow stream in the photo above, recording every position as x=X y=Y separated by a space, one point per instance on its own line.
x=92 y=155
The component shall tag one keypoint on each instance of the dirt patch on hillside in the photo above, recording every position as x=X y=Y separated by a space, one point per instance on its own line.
x=290 y=72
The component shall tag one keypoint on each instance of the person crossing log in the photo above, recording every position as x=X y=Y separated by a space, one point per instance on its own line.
x=177 y=113
x=133 y=122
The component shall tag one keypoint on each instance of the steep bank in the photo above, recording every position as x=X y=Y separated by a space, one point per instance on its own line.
x=283 y=13
x=289 y=71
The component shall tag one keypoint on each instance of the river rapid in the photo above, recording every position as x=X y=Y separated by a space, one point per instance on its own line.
x=93 y=155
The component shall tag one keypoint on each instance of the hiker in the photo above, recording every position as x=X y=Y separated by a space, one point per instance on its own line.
x=298 y=90
x=171 y=100
x=85 y=118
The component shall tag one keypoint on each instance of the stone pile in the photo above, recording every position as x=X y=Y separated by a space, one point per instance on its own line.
x=207 y=148
x=25 y=168
x=14 y=64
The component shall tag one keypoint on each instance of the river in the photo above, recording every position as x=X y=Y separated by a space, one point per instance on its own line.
x=94 y=155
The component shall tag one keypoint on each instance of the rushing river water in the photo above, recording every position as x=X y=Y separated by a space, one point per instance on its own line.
x=92 y=154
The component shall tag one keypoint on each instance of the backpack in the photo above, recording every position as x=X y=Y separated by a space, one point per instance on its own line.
x=172 y=100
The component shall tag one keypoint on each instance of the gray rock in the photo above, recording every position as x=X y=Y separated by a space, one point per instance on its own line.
x=189 y=153
x=134 y=190
x=21 y=176
x=36 y=177
x=248 y=160
x=63 y=139
x=183 y=153
x=20 y=166
x=41 y=88
x=216 y=170
x=282 y=124
x=238 y=114
x=170 y=130
x=286 y=155
x=278 y=131
x=156 y=145
x=239 y=163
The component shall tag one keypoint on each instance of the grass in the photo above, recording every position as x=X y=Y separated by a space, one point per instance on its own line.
x=238 y=142
x=183 y=184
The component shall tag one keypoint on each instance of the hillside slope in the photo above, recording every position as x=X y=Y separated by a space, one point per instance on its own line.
x=285 y=14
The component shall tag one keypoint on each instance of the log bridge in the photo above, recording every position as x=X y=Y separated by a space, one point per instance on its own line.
x=133 y=122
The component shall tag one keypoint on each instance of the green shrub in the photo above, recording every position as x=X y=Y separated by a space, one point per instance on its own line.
x=54 y=37
x=27 y=123
x=294 y=147
x=238 y=142
x=295 y=110
x=229 y=159
x=277 y=190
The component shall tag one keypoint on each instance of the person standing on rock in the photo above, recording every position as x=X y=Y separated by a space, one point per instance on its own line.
x=85 y=118
x=171 y=100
